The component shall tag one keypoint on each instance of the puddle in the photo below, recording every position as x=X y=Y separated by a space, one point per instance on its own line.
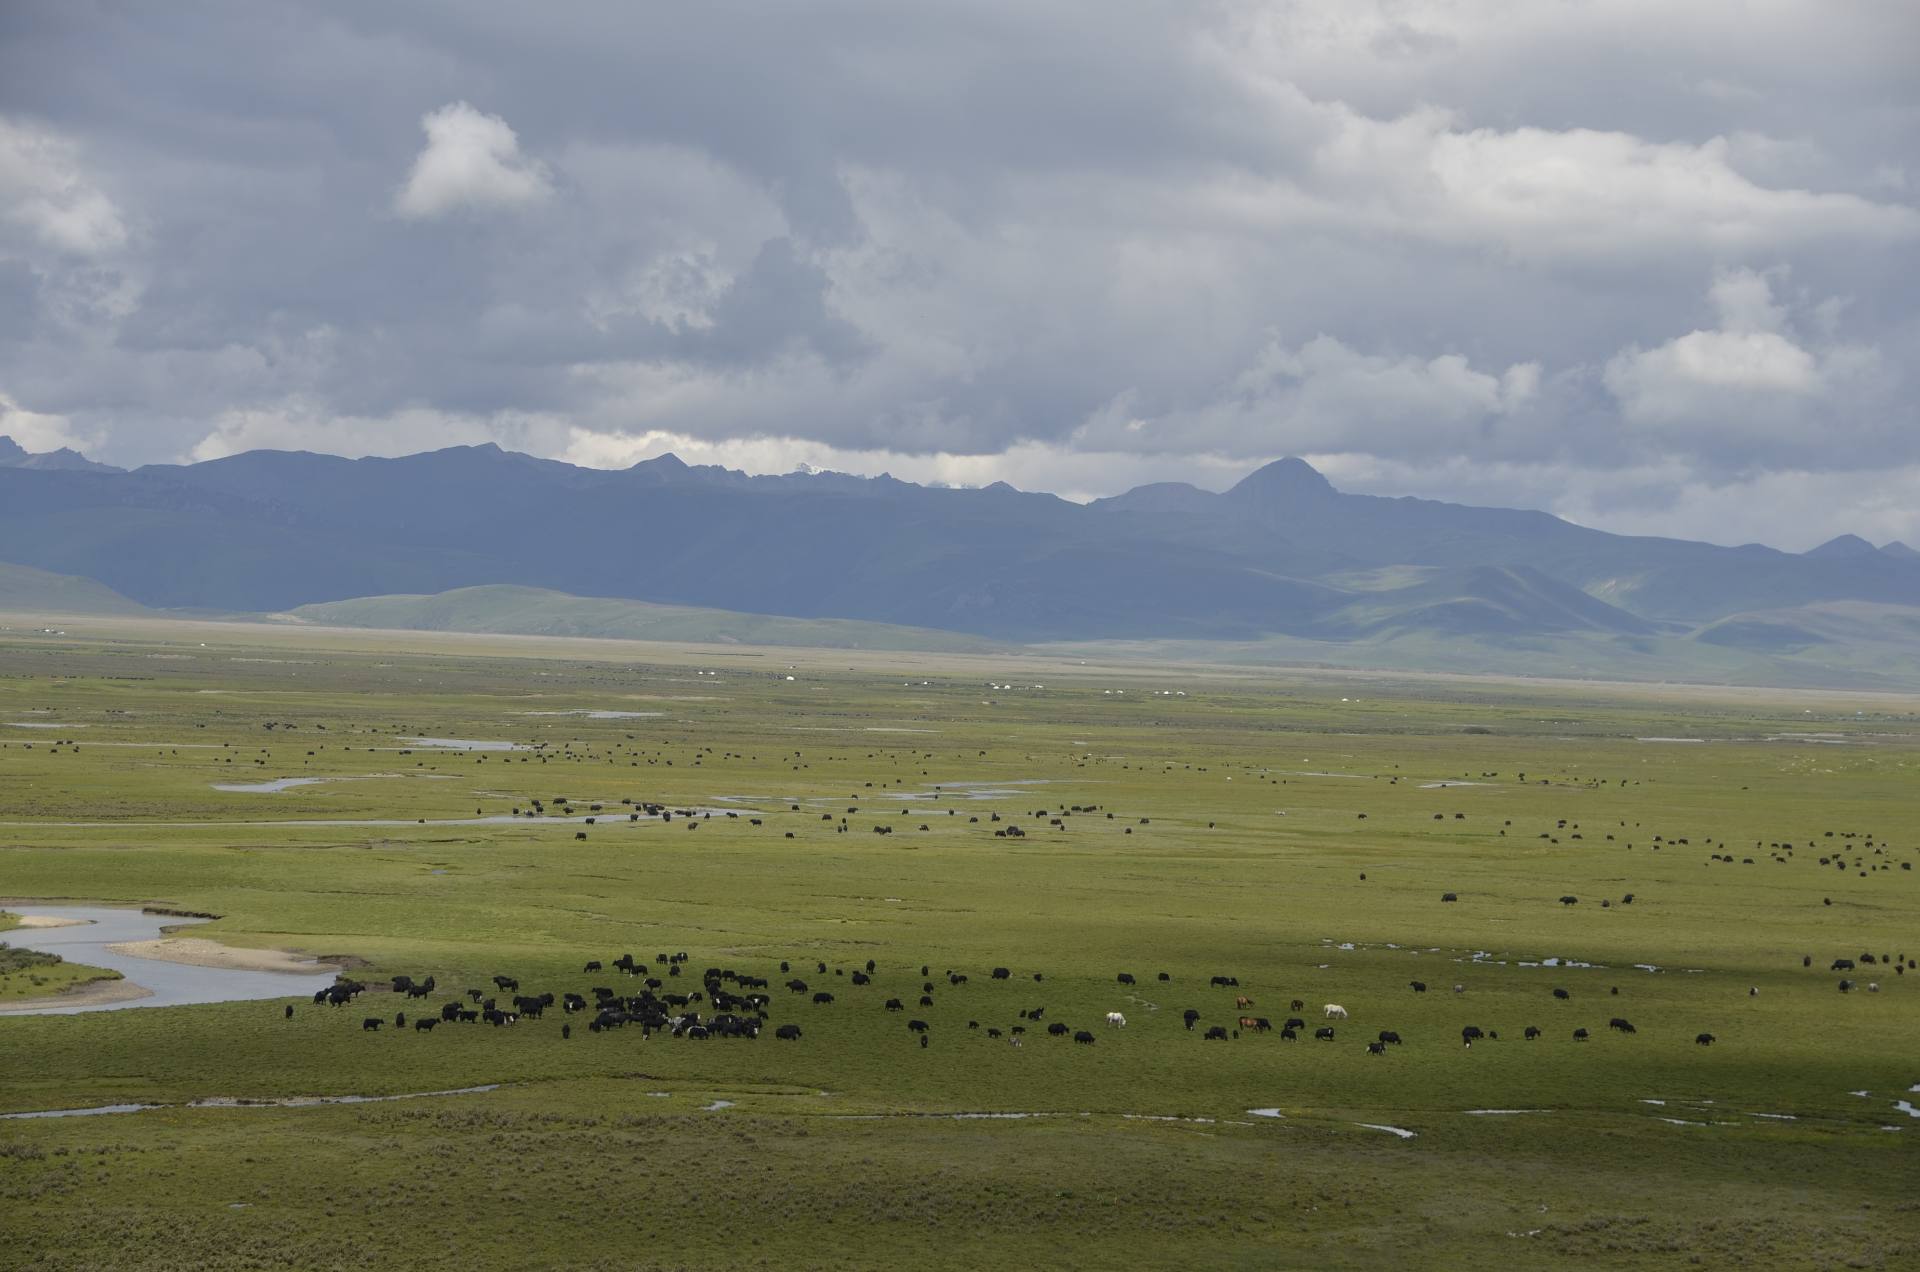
x=1694 y=740
x=41 y=724
x=1501 y=1112
x=1391 y=1130
x=1906 y=1107
x=461 y=744
x=169 y=984
x=604 y=820
x=1169 y=1117
x=597 y=715
x=267 y=788
x=232 y=1102
x=95 y=1110
x=1266 y=1113
x=309 y=1101
x=716 y=1106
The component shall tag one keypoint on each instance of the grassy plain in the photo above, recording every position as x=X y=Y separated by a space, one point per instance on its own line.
x=26 y=975
x=1237 y=846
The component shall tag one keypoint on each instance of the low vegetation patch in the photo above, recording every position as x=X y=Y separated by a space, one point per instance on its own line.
x=32 y=974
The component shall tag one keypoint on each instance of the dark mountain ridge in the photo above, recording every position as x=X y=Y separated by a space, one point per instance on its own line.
x=14 y=455
x=1279 y=553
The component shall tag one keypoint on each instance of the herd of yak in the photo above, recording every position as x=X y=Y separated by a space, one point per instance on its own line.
x=730 y=1004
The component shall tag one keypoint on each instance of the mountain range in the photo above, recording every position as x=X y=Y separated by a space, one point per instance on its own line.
x=1283 y=555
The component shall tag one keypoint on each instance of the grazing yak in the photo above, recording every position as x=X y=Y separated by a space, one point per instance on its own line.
x=1116 y=1020
x=1334 y=1011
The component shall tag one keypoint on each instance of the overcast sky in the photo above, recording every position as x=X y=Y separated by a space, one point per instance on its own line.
x=1649 y=265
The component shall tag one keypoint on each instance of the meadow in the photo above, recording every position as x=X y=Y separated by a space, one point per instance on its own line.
x=1293 y=829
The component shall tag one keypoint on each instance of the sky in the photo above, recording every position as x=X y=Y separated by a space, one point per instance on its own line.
x=1650 y=266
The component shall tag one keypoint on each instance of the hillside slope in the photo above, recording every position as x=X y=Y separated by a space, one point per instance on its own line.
x=24 y=590
x=529 y=611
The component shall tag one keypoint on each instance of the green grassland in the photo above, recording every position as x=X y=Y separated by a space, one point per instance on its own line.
x=27 y=974
x=1285 y=828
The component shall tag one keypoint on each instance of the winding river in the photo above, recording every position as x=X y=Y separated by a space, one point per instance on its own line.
x=171 y=984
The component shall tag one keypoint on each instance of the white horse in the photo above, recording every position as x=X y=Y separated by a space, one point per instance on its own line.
x=1335 y=1011
x=1115 y=1019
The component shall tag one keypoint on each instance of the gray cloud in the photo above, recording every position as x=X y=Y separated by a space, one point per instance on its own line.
x=1630 y=262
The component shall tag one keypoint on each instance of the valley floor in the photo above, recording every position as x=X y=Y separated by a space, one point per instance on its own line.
x=1295 y=832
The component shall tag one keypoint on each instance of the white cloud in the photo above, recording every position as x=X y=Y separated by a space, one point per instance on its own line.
x=471 y=160
x=1540 y=195
x=34 y=431
x=44 y=189
x=1324 y=396
x=1748 y=377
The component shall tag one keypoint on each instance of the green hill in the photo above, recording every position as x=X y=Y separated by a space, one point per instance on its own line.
x=531 y=611
x=27 y=590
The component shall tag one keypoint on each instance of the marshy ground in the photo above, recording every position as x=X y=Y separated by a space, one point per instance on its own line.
x=1294 y=831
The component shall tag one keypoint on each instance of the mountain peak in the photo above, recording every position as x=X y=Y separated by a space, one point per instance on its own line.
x=663 y=463
x=1289 y=478
x=66 y=459
x=1841 y=547
x=1899 y=551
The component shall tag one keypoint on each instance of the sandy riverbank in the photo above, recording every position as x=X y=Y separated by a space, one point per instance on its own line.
x=48 y=921
x=200 y=952
x=90 y=994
